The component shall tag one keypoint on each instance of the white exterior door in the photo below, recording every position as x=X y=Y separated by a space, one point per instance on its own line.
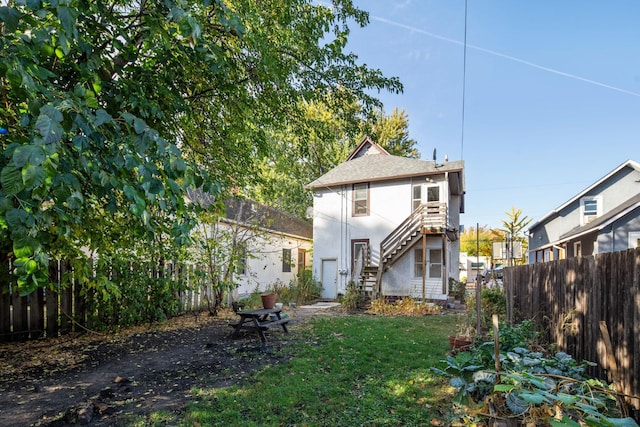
x=329 y=278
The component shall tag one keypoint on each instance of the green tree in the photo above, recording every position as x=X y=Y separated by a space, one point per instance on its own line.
x=513 y=228
x=325 y=135
x=391 y=132
x=481 y=238
x=114 y=108
x=305 y=150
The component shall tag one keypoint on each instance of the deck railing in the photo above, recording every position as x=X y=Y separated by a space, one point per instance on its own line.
x=431 y=216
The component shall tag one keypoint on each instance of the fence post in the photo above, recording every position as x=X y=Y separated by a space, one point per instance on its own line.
x=36 y=314
x=20 y=317
x=5 y=299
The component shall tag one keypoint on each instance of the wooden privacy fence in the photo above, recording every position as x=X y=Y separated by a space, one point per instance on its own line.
x=58 y=309
x=570 y=299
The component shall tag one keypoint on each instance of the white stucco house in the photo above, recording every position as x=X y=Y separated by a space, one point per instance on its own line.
x=473 y=266
x=604 y=217
x=402 y=215
x=274 y=246
x=278 y=249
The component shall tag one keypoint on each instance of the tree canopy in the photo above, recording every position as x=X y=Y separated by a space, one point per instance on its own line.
x=112 y=109
x=391 y=132
x=479 y=241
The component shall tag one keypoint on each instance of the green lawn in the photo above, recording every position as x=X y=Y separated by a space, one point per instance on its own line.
x=344 y=371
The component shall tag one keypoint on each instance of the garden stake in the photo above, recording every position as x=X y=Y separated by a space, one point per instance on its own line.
x=496 y=345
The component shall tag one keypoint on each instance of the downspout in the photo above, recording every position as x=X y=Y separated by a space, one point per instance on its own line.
x=343 y=221
x=445 y=266
x=424 y=266
x=344 y=243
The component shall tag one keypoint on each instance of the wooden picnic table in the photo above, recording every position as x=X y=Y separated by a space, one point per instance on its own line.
x=260 y=320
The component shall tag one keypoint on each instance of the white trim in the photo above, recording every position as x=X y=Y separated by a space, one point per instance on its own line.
x=584 y=218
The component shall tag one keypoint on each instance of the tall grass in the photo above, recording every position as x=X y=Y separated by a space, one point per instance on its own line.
x=345 y=371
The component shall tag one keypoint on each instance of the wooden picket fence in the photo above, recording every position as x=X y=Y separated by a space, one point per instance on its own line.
x=59 y=310
x=577 y=302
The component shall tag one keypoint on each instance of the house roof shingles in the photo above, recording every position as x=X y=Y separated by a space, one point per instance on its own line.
x=377 y=167
x=604 y=220
x=249 y=212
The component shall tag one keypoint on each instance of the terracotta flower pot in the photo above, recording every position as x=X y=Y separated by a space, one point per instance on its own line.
x=268 y=300
x=459 y=343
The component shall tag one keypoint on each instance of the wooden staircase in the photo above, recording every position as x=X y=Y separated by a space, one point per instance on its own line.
x=367 y=285
x=429 y=218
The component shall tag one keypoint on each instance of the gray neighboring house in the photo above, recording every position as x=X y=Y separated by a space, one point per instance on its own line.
x=605 y=217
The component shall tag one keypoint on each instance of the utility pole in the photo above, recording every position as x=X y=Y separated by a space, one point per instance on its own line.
x=478 y=281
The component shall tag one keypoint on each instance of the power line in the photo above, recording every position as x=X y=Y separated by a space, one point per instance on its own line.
x=504 y=56
x=464 y=80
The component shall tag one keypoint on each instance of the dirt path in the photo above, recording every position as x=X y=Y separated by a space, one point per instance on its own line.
x=104 y=380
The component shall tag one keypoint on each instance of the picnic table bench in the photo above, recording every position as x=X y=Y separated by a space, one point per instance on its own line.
x=259 y=320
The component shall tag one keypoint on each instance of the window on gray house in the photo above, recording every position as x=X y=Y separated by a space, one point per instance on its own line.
x=591 y=208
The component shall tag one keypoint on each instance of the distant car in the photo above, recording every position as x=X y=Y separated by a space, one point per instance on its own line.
x=493 y=278
x=496 y=273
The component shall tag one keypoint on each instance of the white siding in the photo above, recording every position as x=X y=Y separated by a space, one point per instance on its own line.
x=264 y=262
x=390 y=203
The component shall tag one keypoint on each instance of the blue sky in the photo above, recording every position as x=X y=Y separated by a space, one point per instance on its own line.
x=552 y=92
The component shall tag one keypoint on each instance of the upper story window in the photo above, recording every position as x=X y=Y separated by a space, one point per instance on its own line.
x=361 y=199
x=590 y=208
x=433 y=193
x=416 y=196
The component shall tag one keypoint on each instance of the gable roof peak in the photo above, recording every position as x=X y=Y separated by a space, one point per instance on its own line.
x=367 y=147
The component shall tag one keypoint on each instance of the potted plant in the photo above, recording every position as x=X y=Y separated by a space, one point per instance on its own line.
x=268 y=300
x=463 y=338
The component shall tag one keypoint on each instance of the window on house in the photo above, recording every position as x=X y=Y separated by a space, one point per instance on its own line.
x=417 y=262
x=577 y=249
x=358 y=247
x=360 y=199
x=435 y=263
x=241 y=261
x=634 y=239
x=591 y=208
x=286 y=260
x=416 y=197
x=302 y=260
x=433 y=193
